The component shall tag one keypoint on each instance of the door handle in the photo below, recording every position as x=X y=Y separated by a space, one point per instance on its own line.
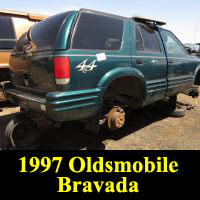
x=139 y=62
x=170 y=61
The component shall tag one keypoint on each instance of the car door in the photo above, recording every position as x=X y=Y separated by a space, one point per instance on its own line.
x=149 y=58
x=179 y=78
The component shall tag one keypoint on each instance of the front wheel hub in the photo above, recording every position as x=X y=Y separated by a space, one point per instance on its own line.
x=116 y=118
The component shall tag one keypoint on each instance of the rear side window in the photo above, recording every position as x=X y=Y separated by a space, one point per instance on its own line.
x=7 y=33
x=150 y=39
x=138 y=41
x=44 y=33
x=97 y=32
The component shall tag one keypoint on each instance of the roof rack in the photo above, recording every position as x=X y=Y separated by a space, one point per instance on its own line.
x=148 y=21
x=31 y=16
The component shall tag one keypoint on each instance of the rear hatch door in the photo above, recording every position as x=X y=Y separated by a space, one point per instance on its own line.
x=31 y=62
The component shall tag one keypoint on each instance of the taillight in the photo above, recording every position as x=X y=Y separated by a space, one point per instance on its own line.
x=62 y=70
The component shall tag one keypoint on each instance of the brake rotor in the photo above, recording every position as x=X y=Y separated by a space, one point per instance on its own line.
x=116 y=118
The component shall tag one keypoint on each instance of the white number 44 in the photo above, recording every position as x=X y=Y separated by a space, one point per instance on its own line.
x=83 y=67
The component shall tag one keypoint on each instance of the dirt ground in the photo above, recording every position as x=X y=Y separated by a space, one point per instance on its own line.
x=145 y=129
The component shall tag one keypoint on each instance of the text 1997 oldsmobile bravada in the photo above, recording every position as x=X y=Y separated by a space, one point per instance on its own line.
x=92 y=66
x=13 y=25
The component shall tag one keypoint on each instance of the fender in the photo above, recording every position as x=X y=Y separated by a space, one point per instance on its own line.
x=120 y=72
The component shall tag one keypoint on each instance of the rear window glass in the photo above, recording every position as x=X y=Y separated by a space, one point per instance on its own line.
x=7 y=33
x=97 y=32
x=44 y=33
x=7 y=29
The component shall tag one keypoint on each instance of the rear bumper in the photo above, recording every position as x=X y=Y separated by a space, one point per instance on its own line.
x=60 y=106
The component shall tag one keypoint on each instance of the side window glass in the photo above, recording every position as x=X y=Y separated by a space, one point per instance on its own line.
x=98 y=32
x=172 y=44
x=138 y=41
x=150 y=39
x=7 y=33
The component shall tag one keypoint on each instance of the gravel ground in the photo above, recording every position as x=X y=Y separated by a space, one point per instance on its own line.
x=145 y=129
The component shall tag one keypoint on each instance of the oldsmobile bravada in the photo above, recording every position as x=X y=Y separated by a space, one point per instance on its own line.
x=93 y=67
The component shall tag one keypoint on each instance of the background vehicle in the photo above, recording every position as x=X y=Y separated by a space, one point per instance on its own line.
x=198 y=51
x=13 y=25
x=195 y=48
x=92 y=66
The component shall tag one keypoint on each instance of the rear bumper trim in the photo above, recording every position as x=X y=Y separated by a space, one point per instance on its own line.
x=60 y=106
x=25 y=96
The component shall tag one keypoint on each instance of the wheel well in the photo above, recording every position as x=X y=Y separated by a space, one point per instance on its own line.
x=197 y=78
x=125 y=91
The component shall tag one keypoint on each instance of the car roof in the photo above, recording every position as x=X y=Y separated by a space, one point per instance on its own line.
x=101 y=13
x=30 y=16
x=143 y=20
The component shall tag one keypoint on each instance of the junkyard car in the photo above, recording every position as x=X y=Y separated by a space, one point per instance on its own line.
x=198 y=49
x=89 y=66
x=13 y=25
x=195 y=48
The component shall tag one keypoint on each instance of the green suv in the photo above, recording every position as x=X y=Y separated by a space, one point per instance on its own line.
x=93 y=67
